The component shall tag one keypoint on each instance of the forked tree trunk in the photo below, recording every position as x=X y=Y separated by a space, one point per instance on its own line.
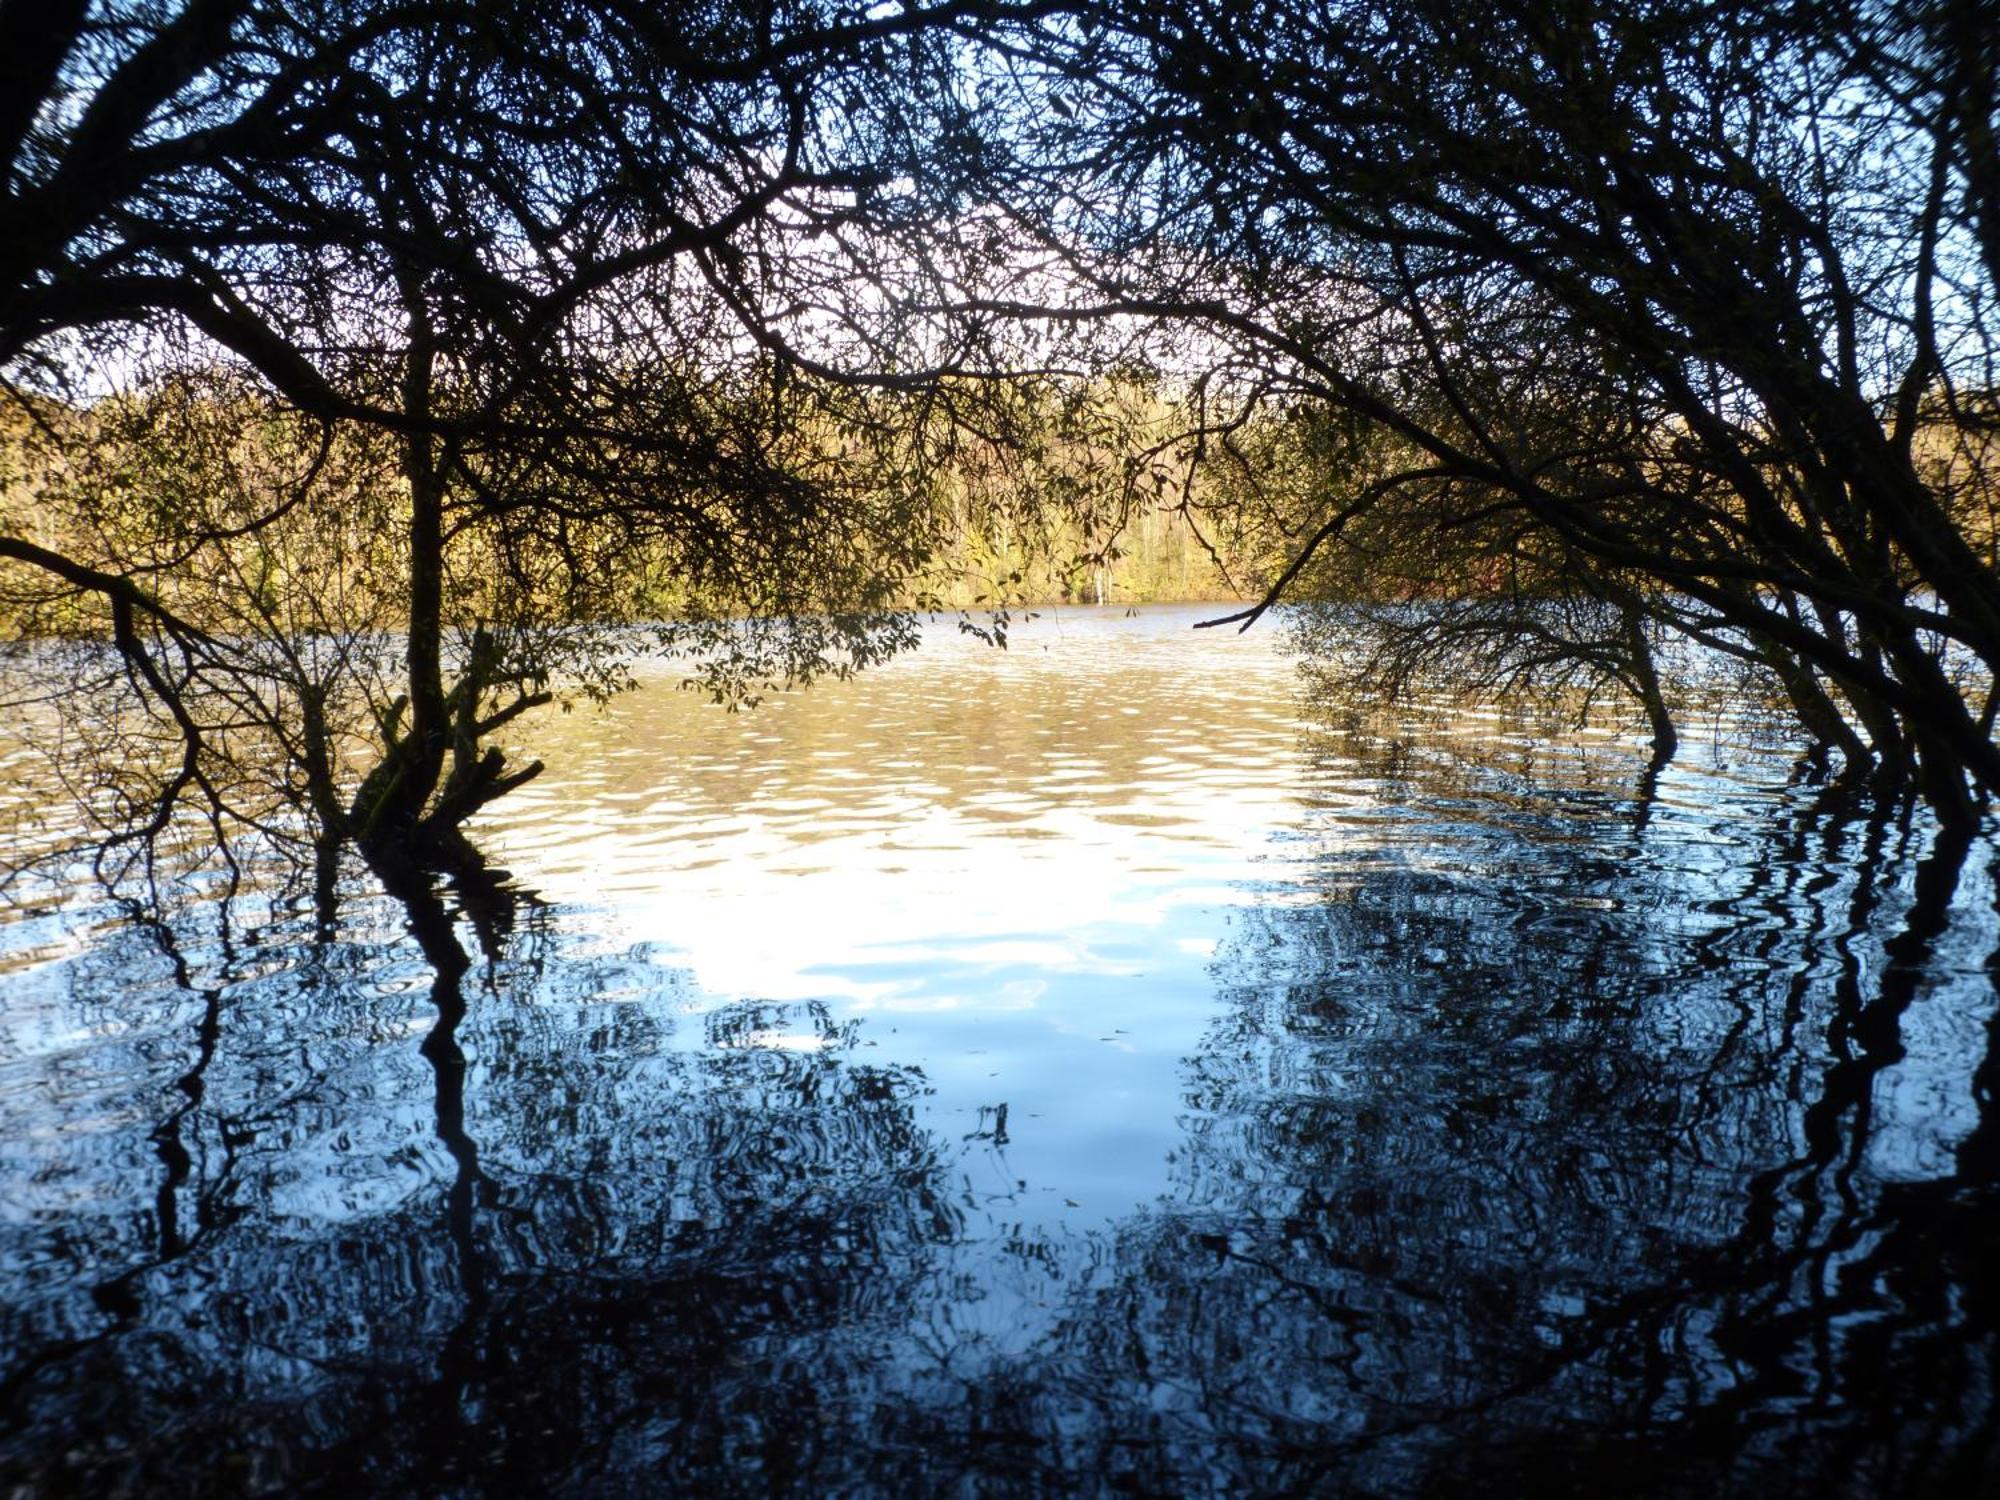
x=1817 y=713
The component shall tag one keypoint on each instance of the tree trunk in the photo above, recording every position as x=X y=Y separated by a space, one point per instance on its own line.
x=389 y=809
x=1816 y=711
x=1646 y=678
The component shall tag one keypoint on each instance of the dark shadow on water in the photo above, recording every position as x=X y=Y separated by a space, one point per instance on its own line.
x=1615 y=1151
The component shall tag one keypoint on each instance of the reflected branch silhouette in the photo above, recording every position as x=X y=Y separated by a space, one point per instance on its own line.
x=1545 y=1123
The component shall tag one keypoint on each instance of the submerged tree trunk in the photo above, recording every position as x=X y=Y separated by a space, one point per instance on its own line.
x=435 y=770
x=1646 y=679
x=1817 y=713
x=389 y=808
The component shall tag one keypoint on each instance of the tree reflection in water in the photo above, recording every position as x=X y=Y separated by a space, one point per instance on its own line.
x=1569 y=1173
x=1554 y=1139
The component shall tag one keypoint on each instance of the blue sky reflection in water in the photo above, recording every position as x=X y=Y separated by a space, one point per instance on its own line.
x=1385 y=1107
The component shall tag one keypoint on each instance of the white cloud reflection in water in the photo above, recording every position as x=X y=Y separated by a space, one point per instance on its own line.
x=1011 y=866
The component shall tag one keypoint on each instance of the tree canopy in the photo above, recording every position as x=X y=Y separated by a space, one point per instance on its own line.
x=1529 y=340
x=595 y=295
x=1680 y=305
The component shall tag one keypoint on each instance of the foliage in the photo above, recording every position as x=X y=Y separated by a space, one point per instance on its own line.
x=1683 y=302
x=535 y=316
x=1529 y=341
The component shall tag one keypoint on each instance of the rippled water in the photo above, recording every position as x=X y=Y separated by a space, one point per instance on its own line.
x=1070 y=1069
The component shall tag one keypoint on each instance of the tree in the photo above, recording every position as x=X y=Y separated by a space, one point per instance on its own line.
x=562 y=298
x=1482 y=608
x=1696 y=295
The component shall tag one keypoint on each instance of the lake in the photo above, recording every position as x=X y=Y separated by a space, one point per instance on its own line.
x=1079 y=1068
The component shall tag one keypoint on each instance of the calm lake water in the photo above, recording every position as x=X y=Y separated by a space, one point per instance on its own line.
x=1071 y=1069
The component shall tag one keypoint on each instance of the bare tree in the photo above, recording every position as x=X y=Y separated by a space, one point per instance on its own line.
x=1696 y=294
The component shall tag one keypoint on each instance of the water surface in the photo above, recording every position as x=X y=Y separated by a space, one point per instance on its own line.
x=1070 y=1069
